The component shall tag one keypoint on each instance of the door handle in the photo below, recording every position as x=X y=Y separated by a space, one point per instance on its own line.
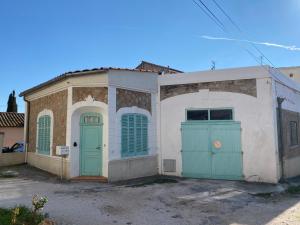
x=98 y=148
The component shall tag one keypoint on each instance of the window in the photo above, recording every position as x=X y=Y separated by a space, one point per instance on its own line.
x=209 y=114
x=197 y=115
x=44 y=127
x=134 y=137
x=293 y=133
x=221 y=114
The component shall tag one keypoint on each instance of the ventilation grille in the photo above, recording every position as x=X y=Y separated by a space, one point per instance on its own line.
x=169 y=165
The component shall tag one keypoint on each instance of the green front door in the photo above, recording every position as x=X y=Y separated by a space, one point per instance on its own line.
x=212 y=149
x=91 y=144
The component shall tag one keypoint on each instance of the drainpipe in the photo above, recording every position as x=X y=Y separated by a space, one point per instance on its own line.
x=280 y=137
x=27 y=116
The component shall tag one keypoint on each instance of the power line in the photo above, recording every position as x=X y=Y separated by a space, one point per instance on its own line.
x=241 y=31
x=228 y=17
x=217 y=19
x=248 y=51
x=222 y=27
x=207 y=14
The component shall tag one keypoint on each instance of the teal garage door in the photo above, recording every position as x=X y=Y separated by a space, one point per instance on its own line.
x=212 y=150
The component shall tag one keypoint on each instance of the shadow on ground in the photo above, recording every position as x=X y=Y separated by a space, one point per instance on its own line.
x=153 y=200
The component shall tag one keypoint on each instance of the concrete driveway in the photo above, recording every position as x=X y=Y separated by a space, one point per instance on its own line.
x=155 y=201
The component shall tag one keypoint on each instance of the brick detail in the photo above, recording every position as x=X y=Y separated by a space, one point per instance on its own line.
x=98 y=93
x=288 y=150
x=58 y=104
x=247 y=86
x=128 y=98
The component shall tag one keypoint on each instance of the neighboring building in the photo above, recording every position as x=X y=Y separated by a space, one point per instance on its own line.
x=123 y=124
x=11 y=127
x=157 y=68
x=292 y=72
x=223 y=124
x=107 y=116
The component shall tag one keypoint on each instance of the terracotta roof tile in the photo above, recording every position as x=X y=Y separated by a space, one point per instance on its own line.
x=11 y=119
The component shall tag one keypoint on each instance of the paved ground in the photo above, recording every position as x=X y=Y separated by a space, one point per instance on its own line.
x=152 y=202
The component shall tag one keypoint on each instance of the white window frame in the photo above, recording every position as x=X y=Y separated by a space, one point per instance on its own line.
x=45 y=112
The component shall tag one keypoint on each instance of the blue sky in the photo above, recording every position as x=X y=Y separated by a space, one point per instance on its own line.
x=42 y=39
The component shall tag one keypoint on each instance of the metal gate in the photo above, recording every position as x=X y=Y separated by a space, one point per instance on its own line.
x=212 y=149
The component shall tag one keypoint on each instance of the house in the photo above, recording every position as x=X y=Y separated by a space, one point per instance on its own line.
x=106 y=115
x=292 y=72
x=11 y=127
x=157 y=68
x=236 y=124
x=240 y=124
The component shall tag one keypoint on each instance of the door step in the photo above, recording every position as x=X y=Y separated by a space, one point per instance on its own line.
x=100 y=179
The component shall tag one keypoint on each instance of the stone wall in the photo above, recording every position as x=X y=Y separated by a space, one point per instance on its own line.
x=98 y=93
x=128 y=98
x=57 y=103
x=247 y=86
x=288 y=150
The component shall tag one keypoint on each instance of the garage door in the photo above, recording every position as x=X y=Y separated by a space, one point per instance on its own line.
x=212 y=149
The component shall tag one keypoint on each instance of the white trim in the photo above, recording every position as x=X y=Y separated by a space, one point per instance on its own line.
x=133 y=89
x=45 y=112
x=116 y=155
x=75 y=111
x=69 y=114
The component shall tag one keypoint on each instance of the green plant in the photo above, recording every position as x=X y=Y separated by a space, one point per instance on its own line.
x=20 y=215
x=38 y=203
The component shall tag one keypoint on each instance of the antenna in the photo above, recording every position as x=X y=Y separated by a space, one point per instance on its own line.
x=261 y=60
x=213 y=65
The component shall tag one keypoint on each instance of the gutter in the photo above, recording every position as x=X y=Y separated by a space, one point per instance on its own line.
x=280 y=137
x=27 y=116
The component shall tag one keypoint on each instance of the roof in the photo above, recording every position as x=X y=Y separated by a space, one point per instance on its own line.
x=251 y=72
x=11 y=119
x=79 y=73
x=157 y=68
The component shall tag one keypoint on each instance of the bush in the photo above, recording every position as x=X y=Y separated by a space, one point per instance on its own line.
x=20 y=215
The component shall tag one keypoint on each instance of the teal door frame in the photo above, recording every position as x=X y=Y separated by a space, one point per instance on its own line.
x=91 y=144
x=212 y=149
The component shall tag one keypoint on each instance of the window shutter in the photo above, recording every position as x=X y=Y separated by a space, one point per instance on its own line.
x=124 y=138
x=44 y=126
x=134 y=135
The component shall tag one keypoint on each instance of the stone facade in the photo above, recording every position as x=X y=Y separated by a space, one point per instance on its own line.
x=57 y=103
x=290 y=151
x=128 y=98
x=247 y=86
x=98 y=93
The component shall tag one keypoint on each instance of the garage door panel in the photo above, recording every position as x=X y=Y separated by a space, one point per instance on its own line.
x=196 y=164
x=227 y=166
x=228 y=136
x=195 y=138
x=212 y=150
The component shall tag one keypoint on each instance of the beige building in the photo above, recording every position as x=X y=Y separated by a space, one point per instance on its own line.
x=292 y=72
x=11 y=128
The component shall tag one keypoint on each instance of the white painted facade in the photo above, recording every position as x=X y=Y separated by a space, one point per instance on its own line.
x=257 y=116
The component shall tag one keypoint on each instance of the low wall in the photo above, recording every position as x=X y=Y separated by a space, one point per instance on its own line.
x=51 y=164
x=131 y=168
x=10 y=159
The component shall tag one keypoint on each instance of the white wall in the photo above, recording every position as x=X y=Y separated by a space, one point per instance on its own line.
x=135 y=81
x=257 y=122
x=77 y=110
x=139 y=81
